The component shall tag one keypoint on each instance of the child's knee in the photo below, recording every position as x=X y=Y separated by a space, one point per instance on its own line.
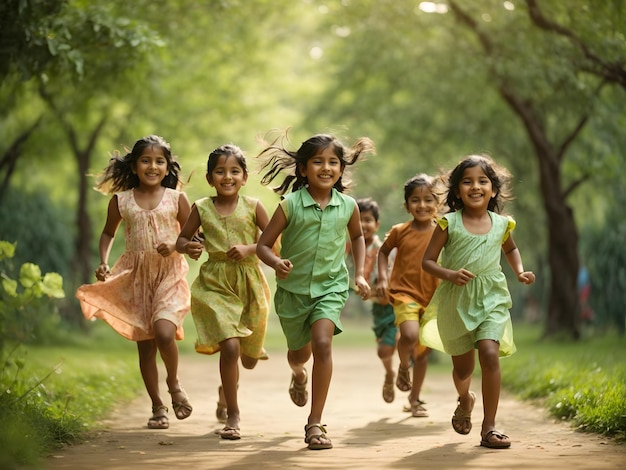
x=248 y=362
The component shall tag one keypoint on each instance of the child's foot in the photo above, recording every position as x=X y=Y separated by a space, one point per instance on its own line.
x=180 y=403
x=462 y=419
x=298 y=391
x=220 y=411
x=389 y=393
x=403 y=382
x=494 y=439
x=418 y=410
x=315 y=437
x=230 y=433
x=159 y=418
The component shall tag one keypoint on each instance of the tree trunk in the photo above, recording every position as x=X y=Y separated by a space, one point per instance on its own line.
x=563 y=302
x=82 y=253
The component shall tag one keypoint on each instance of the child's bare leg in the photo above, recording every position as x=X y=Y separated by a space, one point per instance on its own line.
x=229 y=373
x=463 y=367
x=296 y=360
x=385 y=353
x=248 y=362
x=165 y=338
x=321 y=346
x=419 y=373
x=149 y=372
x=409 y=334
x=488 y=355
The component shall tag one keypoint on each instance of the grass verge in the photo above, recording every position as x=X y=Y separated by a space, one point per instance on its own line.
x=583 y=382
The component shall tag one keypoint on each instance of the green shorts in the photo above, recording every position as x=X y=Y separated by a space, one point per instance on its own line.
x=298 y=312
x=384 y=324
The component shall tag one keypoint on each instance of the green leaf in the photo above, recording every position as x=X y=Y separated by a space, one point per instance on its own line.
x=30 y=274
x=9 y=286
x=52 y=285
x=7 y=249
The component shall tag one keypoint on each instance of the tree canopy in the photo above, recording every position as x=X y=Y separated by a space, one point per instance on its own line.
x=538 y=85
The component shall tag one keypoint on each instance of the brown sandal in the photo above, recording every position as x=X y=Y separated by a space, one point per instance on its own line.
x=463 y=419
x=389 y=393
x=321 y=434
x=403 y=382
x=182 y=409
x=298 y=391
x=159 y=418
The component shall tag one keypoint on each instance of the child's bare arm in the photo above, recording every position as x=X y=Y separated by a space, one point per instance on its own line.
x=185 y=243
x=357 y=242
x=114 y=218
x=266 y=241
x=514 y=258
x=431 y=255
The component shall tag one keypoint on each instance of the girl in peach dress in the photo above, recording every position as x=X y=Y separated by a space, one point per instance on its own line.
x=145 y=296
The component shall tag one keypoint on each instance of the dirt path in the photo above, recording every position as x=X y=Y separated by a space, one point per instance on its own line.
x=366 y=432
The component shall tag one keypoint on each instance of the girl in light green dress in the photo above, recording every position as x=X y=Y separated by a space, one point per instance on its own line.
x=230 y=297
x=472 y=299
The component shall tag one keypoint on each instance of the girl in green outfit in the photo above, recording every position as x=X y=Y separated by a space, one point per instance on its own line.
x=230 y=297
x=472 y=299
x=312 y=278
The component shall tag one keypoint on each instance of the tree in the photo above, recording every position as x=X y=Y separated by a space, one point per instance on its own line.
x=465 y=79
x=586 y=67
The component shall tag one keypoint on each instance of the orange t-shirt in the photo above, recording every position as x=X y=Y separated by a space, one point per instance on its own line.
x=408 y=281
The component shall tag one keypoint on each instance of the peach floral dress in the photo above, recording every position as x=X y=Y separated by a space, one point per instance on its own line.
x=144 y=286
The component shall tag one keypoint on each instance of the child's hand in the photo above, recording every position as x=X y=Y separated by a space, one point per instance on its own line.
x=381 y=289
x=362 y=287
x=283 y=268
x=527 y=277
x=194 y=249
x=237 y=252
x=461 y=277
x=166 y=249
x=103 y=272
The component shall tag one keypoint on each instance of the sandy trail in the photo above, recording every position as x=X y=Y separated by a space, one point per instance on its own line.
x=366 y=431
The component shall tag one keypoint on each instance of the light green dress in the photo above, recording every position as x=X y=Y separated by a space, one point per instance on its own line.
x=479 y=309
x=229 y=298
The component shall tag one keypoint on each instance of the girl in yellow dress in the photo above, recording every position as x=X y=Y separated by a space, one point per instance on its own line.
x=230 y=297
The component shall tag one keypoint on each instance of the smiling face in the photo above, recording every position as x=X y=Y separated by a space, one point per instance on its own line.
x=369 y=225
x=151 y=166
x=422 y=204
x=475 y=189
x=323 y=170
x=228 y=176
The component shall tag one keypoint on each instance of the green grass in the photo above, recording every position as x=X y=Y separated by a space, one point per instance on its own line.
x=583 y=381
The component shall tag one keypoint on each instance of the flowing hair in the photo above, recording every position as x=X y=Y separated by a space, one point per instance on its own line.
x=118 y=175
x=277 y=159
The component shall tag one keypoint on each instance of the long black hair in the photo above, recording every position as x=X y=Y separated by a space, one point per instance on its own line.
x=278 y=159
x=118 y=175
